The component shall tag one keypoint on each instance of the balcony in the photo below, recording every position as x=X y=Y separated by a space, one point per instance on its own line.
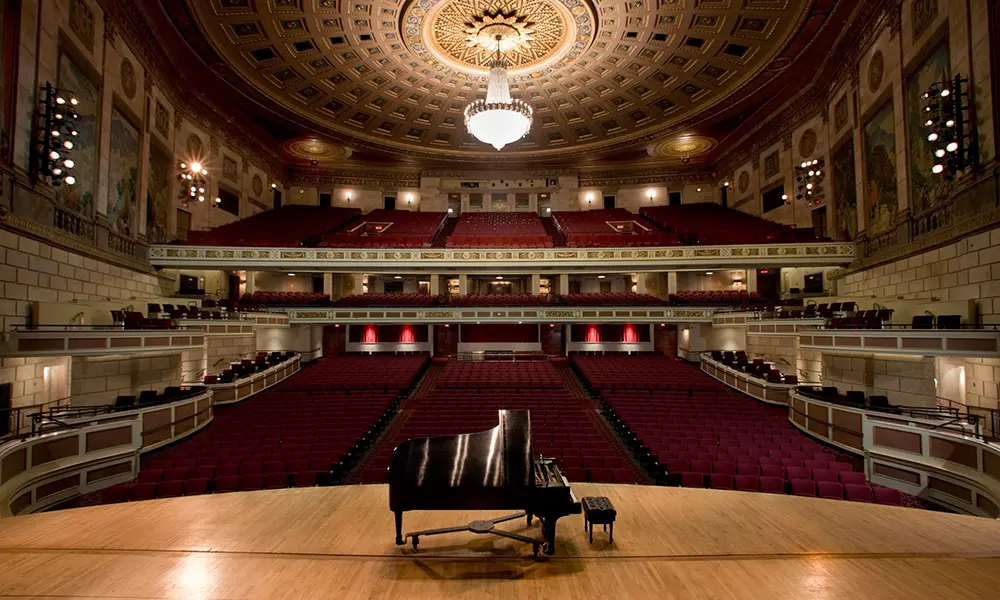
x=241 y=389
x=755 y=387
x=500 y=314
x=937 y=454
x=899 y=339
x=92 y=340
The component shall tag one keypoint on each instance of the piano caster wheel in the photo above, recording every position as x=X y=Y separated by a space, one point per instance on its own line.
x=416 y=542
x=534 y=549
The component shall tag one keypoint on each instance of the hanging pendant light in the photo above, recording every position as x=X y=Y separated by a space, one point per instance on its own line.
x=499 y=120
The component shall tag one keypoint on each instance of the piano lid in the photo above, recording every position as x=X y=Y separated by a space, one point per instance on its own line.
x=498 y=457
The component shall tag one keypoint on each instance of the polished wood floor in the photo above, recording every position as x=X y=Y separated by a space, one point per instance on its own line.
x=338 y=543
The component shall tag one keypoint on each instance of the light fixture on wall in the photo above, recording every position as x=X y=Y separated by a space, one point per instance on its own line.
x=590 y=200
x=348 y=196
x=651 y=194
x=499 y=119
x=809 y=181
x=274 y=186
x=409 y=199
x=193 y=178
x=946 y=114
x=57 y=135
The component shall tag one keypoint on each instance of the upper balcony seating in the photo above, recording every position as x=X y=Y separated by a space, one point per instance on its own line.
x=288 y=226
x=610 y=228
x=388 y=300
x=613 y=299
x=499 y=230
x=151 y=398
x=713 y=224
x=500 y=300
x=388 y=229
x=286 y=299
x=137 y=320
x=717 y=298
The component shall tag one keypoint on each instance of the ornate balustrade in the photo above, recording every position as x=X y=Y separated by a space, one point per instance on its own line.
x=939 y=458
x=755 y=387
x=70 y=340
x=42 y=471
x=533 y=314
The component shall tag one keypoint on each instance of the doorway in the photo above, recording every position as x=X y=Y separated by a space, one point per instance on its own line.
x=276 y=195
x=767 y=283
x=674 y=198
x=389 y=202
x=326 y=200
x=609 y=202
x=819 y=222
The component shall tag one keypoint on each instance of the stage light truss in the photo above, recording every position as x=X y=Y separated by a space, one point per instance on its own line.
x=947 y=117
x=57 y=135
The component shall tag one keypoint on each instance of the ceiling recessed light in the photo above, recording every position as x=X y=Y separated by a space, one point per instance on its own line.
x=291 y=274
x=499 y=276
x=600 y=276
x=708 y=272
x=397 y=276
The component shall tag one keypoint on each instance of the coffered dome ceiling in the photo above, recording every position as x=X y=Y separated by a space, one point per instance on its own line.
x=602 y=75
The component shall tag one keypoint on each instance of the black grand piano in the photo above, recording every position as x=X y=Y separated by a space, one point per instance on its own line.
x=489 y=470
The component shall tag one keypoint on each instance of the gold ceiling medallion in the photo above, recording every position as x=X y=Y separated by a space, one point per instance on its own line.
x=312 y=149
x=681 y=147
x=463 y=34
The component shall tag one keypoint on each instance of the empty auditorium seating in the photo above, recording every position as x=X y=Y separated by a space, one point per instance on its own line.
x=388 y=229
x=612 y=299
x=286 y=299
x=697 y=432
x=295 y=434
x=499 y=230
x=288 y=226
x=710 y=224
x=717 y=298
x=501 y=300
x=384 y=299
x=467 y=396
x=610 y=228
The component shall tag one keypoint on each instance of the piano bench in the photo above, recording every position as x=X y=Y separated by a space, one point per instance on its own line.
x=598 y=510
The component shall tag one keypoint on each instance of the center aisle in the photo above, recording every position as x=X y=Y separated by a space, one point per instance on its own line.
x=466 y=397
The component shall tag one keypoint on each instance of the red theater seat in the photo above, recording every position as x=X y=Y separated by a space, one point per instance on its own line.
x=890 y=496
x=858 y=493
x=746 y=483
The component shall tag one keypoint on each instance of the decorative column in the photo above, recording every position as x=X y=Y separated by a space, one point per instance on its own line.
x=328 y=284
x=536 y=284
x=671 y=282
x=463 y=284
x=751 y=279
x=251 y=277
x=563 y=283
x=435 y=284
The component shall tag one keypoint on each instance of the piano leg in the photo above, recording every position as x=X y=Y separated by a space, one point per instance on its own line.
x=529 y=515
x=549 y=533
x=399 y=528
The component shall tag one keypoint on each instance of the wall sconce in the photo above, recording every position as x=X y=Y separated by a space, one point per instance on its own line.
x=652 y=194
x=409 y=199
x=57 y=130
x=590 y=200
x=348 y=197
x=274 y=186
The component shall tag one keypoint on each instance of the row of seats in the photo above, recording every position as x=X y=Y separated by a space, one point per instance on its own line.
x=711 y=436
x=612 y=299
x=358 y=372
x=286 y=299
x=756 y=367
x=717 y=298
x=288 y=226
x=283 y=437
x=298 y=226
x=388 y=229
x=247 y=367
x=152 y=397
x=711 y=224
x=561 y=426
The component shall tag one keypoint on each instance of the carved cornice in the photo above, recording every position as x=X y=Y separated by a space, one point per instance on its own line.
x=643 y=177
x=854 y=42
x=125 y=18
x=365 y=179
x=488 y=174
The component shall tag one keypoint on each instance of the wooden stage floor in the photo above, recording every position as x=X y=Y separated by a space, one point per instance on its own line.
x=337 y=542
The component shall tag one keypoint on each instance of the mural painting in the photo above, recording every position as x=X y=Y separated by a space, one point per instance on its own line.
x=80 y=197
x=881 y=195
x=122 y=175
x=157 y=195
x=845 y=193
x=925 y=187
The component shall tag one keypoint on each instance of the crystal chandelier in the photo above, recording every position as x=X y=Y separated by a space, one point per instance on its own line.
x=499 y=120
